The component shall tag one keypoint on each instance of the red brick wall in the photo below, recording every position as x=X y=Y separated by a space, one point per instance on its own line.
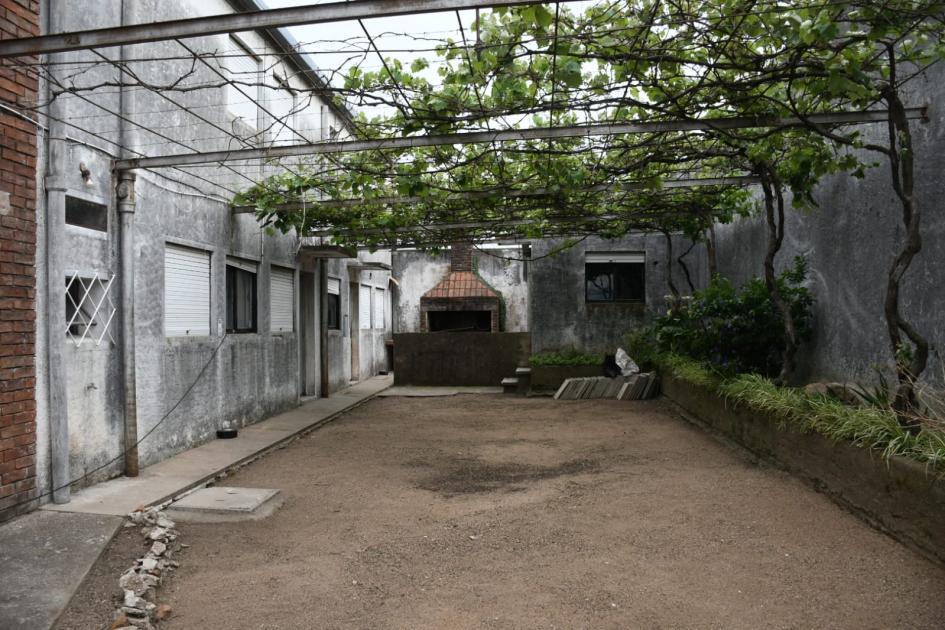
x=461 y=257
x=18 y=18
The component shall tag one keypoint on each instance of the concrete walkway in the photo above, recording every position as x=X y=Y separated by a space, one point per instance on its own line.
x=45 y=555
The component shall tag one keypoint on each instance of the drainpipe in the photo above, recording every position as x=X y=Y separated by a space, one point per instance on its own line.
x=126 y=214
x=125 y=193
x=55 y=184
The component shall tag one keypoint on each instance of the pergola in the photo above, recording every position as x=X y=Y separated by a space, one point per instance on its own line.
x=661 y=159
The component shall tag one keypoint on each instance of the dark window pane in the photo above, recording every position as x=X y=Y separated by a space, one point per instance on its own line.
x=332 y=321
x=93 y=216
x=240 y=300
x=629 y=282
x=598 y=282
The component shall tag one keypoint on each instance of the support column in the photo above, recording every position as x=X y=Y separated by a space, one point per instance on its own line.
x=126 y=214
x=60 y=472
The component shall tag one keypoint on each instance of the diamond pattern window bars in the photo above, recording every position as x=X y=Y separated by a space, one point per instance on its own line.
x=89 y=308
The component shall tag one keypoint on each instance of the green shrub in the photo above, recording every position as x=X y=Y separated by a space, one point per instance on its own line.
x=565 y=358
x=736 y=330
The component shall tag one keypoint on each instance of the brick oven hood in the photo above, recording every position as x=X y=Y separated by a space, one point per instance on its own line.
x=460 y=284
x=461 y=301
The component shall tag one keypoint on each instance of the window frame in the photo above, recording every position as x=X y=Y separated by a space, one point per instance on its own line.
x=333 y=299
x=233 y=268
x=614 y=261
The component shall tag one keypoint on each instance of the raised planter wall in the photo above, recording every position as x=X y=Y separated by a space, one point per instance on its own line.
x=458 y=358
x=897 y=496
x=548 y=377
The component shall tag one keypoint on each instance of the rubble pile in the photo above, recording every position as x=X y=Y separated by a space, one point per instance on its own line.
x=636 y=387
x=138 y=609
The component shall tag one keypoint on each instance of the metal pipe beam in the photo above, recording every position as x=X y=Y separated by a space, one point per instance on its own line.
x=741 y=180
x=236 y=22
x=511 y=135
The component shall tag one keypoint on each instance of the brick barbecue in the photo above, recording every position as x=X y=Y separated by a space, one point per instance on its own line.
x=461 y=301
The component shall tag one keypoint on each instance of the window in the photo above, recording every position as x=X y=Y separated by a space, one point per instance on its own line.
x=90 y=308
x=333 y=304
x=93 y=216
x=614 y=277
x=242 y=70
x=240 y=296
x=283 y=105
x=281 y=299
x=364 y=308
x=379 y=308
x=186 y=291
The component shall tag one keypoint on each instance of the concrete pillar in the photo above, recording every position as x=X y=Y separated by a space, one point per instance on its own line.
x=60 y=471
x=126 y=214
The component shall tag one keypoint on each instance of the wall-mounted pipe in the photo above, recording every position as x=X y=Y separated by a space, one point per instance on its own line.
x=126 y=214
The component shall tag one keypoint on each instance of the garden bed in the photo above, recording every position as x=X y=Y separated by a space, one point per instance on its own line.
x=899 y=495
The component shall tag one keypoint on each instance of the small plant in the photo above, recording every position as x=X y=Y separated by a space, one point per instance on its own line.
x=565 y=358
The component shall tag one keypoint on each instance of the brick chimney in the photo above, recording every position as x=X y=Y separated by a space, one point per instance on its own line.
x=461 y=257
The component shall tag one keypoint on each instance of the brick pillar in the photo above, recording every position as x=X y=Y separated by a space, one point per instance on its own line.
x=461 y=257
x=18 y=18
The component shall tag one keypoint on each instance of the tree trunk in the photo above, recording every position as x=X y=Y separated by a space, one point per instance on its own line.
x=669 y=269
x=774 y=212
x=685 y=268
x=711 y=252
x=910 y=361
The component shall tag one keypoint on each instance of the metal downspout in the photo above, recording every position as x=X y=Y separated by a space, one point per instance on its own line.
x=55 y=185
x=125 y=192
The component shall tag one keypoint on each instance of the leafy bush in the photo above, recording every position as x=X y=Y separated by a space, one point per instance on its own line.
x=736 y=330
x=565 y=358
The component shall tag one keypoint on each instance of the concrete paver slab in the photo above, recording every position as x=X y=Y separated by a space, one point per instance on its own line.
x=174 y=476
x=43 y=558
x=218 y=504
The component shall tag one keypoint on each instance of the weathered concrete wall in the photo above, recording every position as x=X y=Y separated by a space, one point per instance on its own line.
x=561 y=319
x=850 y=242
x=240 y=378
x=418 y=272
x=458 y=358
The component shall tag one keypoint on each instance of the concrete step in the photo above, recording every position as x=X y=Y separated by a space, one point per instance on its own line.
x=510 y=385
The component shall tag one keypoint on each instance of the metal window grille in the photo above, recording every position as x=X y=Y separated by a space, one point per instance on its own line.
x=89 y=308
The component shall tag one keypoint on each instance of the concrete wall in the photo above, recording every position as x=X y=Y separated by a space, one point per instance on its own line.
x=850 y=242
x=240 y=378
x=458 y=358
x=561 y=319
x=418 y=272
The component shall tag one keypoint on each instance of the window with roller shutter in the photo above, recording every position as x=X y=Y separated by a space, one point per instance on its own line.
x=281 y=299
x=186 y=291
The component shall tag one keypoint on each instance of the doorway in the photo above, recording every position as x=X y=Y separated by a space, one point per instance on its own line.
x=308 y=335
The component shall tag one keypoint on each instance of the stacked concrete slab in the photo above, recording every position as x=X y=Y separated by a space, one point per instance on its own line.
x=636 y=387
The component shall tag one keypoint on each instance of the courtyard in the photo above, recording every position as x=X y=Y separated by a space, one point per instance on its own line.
x=483 y=511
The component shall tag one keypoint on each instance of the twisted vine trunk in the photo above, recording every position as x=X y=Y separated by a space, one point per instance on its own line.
x=669 y=269
x=910 y=362
x=711 y=251
x=685 y=267
x=774 y=213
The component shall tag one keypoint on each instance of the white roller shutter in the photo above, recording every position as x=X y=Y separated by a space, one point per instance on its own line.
x=334 y=286
x=364 y=308
x=186 y=292
x=281 y=299
x=379 y=307
x=615 y=257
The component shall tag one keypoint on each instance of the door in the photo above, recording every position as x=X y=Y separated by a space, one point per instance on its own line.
x=354 y=298
x=308 y=335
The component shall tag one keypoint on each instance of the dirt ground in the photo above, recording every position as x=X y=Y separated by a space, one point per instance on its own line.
x=497 y=512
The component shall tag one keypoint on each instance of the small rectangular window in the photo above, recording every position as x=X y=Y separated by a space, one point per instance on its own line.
x=379 y=308
x=333 y=304
x=615 y=277
x=92 y=216
x=240 y=296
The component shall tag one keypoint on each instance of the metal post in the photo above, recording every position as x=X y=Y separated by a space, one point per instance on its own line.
x=126 y=213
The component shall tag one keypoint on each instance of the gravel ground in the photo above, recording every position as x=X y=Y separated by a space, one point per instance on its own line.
x=496 y=512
